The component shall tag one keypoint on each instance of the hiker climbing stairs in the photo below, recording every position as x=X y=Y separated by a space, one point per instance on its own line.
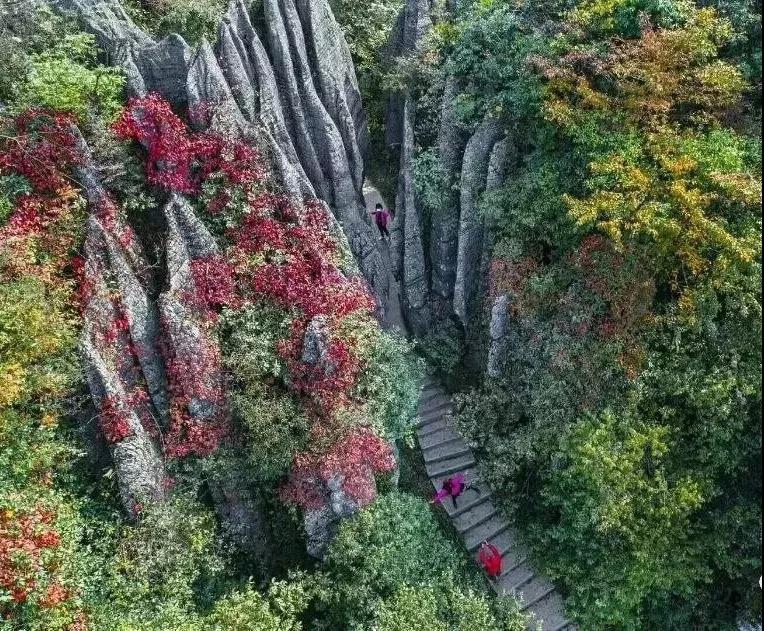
x=476 y=519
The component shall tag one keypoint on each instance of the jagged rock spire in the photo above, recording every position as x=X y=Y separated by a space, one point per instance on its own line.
x=292 y=89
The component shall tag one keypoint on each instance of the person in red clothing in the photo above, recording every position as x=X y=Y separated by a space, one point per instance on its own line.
x=490 y=559
x=382 y=218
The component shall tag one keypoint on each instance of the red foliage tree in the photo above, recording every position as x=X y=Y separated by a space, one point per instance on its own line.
x=24 y=567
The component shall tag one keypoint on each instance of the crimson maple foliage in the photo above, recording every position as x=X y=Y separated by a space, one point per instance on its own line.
x=281 y=252
x=179 y=160
x=23 y=566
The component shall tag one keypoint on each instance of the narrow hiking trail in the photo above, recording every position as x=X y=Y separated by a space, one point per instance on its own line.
x=475 y=518
x=392 y=318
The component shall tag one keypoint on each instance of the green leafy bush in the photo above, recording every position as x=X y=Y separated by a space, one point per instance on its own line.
x=65 y=77
x=193 y=19
x=426 y=609
x=393 y=545
x=275 y=426
x=389 y=384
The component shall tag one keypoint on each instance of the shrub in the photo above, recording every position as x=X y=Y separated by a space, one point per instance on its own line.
x=617 y=500
x=193 y=19
x=34 y=342
x=395 y=543
x=451 y=609
x=66 y=78
x=275 y=426
x=247 y=609
x=389 y=382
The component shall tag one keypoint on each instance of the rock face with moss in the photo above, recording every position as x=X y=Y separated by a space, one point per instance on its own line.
x=407 y=234
x=289 y=86
x=450 y=275
x=118 y=344
x=406 y=38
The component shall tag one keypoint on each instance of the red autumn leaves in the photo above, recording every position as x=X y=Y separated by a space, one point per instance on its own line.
x=280 y=252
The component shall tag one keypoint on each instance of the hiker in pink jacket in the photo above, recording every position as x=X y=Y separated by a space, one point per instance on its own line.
x=382 y=218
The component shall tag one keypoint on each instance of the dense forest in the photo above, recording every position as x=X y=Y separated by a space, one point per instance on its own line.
x=236 y=393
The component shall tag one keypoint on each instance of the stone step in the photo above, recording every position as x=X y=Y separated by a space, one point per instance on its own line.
x=469 y=505
x=511 y=562
x=514 y=581
x=534 y=591
x=474 y=519
x=430 y=430
x=435 y=421
x=443 y=454
x=438 y=410
x=449 y=467
x=468 y=497
x=454 y=440
x=488 y=531
x=443 y=410
x=550 y=612
x=423 y=420
x=434 y=395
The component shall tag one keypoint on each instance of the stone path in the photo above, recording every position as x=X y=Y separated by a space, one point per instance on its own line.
x=392 y=319
x=475 y=517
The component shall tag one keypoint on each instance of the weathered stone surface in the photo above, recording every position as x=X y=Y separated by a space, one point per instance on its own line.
x=499 y=164
x=477 y=155
x=498 y=334
x=187 y=239
x=129 y=266
x=336 y=81
x=113 y=371
x=247 y=68
x=315 y=347
x=445 y=222
x=406 y=38
x=407 y=233
x=243 y=516
x=321 y=525
x=164 y=68
x=206 y=84
x=478 y=347
x=189 y=347
x=296 y=113
x=300 y=98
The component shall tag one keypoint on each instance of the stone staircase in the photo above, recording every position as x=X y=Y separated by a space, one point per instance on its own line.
x=475 y=517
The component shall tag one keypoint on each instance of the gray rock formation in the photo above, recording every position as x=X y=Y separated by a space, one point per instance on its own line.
x=249 y=74
x=444 y=239
x=456 y=263
x=321 y=524
x=413 y=24
x=474 y=177
x=298 y=99
x=336 y=81
x=113 y=373
x=498 y=334
x=123 y=370
x=243 y=515
x=315 y=347
x=407 y=234
x=190 y=350
x=130 y=268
